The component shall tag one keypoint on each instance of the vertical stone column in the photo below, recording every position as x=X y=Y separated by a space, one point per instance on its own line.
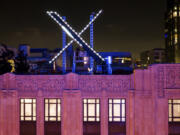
x=161 y=118
x=104 y=113
x=72 y=123
x=130 y=113
x=9 y=118
x=9 y=113
x=16 y=112
x=160 y=101
x=40 y=114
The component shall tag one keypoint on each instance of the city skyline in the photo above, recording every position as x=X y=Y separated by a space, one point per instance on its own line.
x=120 y=28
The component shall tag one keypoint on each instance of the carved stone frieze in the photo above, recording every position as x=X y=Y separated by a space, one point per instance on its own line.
x=7 y=94
x=172 y=77
x=31 y=83
x=99 y=83
x=168 y=77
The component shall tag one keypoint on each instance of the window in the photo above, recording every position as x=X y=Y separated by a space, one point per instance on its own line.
x=28 y=109
x=117 y=110
x=175 y=30
x=91 y=109
x=52 y=110
x=175 y=38
x=175 y=7
x=175 y=14
x=174 y=110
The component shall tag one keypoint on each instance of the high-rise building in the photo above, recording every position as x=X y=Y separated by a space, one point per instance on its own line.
x=172 y=31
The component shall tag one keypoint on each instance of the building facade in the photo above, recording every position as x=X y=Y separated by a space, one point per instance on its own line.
x=146 y=102
x=172 y=31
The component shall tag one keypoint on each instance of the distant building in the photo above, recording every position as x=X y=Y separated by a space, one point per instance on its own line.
x=172 y=31
x=137 y=64
x=156 y=55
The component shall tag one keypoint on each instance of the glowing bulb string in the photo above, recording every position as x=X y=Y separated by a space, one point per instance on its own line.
x=85 y=28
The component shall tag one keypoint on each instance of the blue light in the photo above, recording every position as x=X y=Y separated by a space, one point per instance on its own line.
x=91 y=41
x=64 y=53
x=109 y=60
x=166 y=35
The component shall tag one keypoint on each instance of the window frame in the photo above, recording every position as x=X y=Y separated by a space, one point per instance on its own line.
x=48 y=116
x=97 y=102
x=33 y=115
x=171 y=119
x=112 y=117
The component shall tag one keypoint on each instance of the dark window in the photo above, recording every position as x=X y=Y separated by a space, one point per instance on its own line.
x=52 y=117
x=117 y=116
x=91 y=117
x=27 y=116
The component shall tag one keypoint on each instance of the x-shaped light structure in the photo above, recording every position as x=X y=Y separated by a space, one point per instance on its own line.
x=75 y=36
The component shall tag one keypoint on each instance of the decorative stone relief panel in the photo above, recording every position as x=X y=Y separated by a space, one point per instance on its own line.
x=7 y=94
x=89 y=83
x=172 y=77
x=167 y=77
x=32 y=83
x=172 y=93
x=119 y=83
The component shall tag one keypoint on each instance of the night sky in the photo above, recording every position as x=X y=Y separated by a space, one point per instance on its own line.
x=129 y=25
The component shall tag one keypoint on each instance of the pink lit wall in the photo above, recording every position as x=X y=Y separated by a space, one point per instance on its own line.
x=146 y=93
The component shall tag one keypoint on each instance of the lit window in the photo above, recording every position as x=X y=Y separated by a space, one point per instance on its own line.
x=175 y=38
x=175 y=14
x=52 y=110
x=91 y=110
x=175 y=30
x=28 y=109
x=122 y=61
x=175 y=8
x=117 y=110
x=85 y=60
x=174 y=110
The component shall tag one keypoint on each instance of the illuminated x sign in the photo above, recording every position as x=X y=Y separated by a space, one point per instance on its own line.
x=75 y=36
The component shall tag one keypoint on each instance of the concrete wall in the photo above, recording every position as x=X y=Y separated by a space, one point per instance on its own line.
x=146 y=92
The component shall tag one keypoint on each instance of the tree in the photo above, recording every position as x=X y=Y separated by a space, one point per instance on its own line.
x=5 y=56
x=21 y=64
